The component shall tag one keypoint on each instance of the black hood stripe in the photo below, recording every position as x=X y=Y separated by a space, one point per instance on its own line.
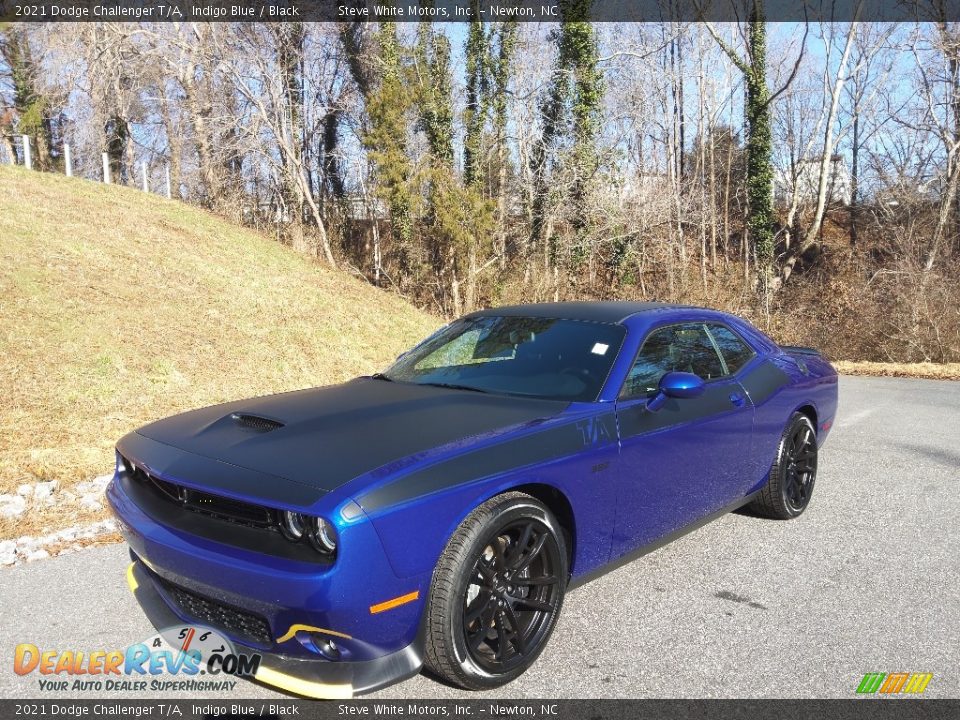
x=325 y=437
x=549 y=444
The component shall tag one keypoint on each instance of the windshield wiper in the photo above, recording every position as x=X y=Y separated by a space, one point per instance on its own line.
x=381 y=376
x=454 y=386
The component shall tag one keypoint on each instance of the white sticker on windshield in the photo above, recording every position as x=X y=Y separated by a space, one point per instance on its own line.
x=600 y=349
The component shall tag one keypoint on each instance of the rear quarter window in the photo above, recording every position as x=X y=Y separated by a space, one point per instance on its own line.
x=735 y=351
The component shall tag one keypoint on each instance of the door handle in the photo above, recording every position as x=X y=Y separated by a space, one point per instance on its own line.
x=737 y=399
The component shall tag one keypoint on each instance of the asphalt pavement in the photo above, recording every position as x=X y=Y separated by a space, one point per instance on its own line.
x=867 y=580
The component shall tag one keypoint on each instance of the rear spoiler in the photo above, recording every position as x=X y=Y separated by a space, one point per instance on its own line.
x=800 y=350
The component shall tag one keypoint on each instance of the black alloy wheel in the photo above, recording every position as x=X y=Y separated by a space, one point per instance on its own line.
x=496 y=593
x=793 y=473
x=514 y=594
x=801 y=467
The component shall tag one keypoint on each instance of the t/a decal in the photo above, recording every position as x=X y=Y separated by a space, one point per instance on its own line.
x=594 y=431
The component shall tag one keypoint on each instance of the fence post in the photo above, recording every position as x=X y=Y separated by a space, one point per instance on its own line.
x=27 y=160
x=106 y=168
x=146 y=183
x=67 y=160
x=168 y=181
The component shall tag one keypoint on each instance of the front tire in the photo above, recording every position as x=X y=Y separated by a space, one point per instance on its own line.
x=793 y=474
x=496 y=593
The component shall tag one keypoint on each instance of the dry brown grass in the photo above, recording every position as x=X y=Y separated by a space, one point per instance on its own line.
x=117 y=308
x=107 y=539
x=930 y=371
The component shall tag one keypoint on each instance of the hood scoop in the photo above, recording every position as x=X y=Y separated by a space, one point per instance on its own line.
x=255 y=422
x=352 y=429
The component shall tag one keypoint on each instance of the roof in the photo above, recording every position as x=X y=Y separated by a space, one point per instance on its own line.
x=609 y=311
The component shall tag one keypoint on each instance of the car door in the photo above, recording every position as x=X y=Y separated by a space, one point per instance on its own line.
x=738 y=360
x=686 y=460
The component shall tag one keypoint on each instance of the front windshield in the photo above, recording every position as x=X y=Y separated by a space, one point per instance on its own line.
x=537 y=357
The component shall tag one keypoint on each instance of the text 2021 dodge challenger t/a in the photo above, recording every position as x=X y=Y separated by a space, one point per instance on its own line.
x=437 y=512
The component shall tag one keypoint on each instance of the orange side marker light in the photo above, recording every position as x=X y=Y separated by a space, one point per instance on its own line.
x=396 y=602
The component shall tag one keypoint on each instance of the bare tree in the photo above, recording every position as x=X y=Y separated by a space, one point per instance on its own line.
x=833 y=82
x=28 y=108
x=260 y=72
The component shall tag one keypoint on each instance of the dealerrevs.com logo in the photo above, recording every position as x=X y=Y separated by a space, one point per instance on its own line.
x=894 y=683
x=175 y=659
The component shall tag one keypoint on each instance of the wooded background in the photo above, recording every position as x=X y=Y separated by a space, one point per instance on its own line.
x=802 y=175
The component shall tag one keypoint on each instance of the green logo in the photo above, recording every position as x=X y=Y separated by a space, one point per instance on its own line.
x=893 y=683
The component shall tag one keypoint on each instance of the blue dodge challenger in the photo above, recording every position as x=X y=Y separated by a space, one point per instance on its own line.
x=436 y=513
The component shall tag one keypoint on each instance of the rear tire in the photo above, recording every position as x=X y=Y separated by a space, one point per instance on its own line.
x=496 y=593
x=793 y=474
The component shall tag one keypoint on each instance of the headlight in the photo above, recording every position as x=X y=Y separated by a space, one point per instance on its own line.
x=319 y=532
x=292 y=525
x=123 y=465
x=322 y=536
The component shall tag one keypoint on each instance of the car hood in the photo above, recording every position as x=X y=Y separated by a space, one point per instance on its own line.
x=324 y=437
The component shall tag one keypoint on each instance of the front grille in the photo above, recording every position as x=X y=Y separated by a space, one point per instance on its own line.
x=237 y=622
x=169 y=490
x=228 y=509
x=218 y=506
x=224 y=520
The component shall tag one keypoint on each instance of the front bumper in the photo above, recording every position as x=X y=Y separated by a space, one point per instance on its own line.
x=279 y=607
x=318 y=679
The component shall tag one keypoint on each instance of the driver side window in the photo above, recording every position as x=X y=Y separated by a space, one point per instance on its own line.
x=675 y=348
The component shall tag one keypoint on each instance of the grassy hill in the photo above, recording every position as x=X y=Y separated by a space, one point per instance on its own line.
x=118 y=307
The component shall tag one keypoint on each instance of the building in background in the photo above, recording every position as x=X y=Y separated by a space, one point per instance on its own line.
x=804 y=176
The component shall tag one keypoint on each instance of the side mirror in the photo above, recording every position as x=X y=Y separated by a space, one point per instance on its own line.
x=676 y=385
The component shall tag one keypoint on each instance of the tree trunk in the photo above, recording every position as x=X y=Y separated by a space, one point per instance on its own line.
x=508 y=37
x=209 y=174
x=7 y=142
x=500 y=246
x=29 y=102
x=759 y=148
x=174 y=145
x=130 y=160
x=855 y=176
x=331 y=165
x=826 y=157
x=945 y=212
x=470 y=302
x=317 y=218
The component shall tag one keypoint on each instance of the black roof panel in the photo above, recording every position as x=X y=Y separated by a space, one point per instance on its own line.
x=608 y=311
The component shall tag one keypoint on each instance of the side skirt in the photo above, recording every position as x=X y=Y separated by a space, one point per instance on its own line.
x=580 y=580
